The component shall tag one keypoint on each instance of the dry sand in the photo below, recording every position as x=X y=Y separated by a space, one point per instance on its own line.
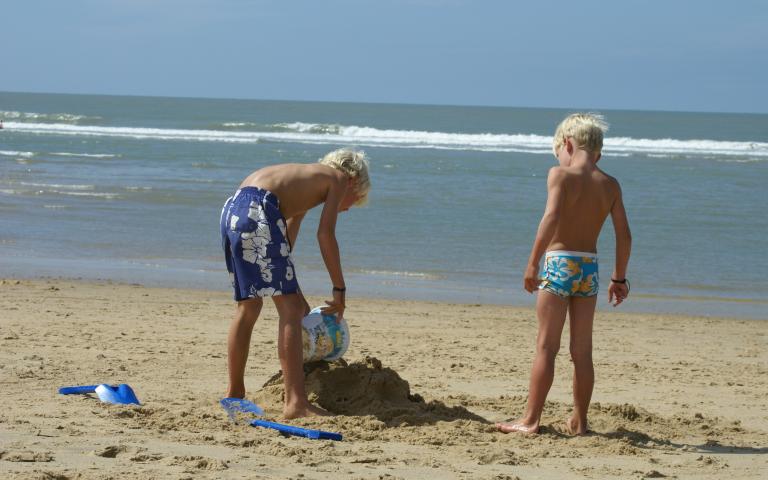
x=676 y=397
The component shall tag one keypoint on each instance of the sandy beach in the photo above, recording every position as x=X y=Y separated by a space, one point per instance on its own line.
x=675 y=397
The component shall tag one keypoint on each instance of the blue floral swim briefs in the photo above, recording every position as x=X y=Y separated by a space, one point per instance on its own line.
x=256 y=247
x=570 y=274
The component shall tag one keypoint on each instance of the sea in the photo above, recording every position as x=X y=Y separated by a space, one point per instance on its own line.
x=129 y=189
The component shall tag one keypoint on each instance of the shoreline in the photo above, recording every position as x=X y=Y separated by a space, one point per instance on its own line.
x=384 y=287
x=676 y=395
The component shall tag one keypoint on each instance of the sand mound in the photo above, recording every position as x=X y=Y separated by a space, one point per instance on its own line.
x=365 y=388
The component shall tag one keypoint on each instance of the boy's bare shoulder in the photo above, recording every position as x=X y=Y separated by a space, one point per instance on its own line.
x=320 y=170
x=322 y=177
x=301 y=172
x=612 y=181
x=609 y=185
x=557 y=174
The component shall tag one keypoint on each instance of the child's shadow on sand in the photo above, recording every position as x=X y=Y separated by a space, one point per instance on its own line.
x=641 y=440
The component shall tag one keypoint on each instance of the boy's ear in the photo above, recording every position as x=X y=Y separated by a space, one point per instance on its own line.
x=569 y=145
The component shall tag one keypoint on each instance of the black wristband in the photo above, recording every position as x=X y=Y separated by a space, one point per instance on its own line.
x=623 y=282
x=340 y=289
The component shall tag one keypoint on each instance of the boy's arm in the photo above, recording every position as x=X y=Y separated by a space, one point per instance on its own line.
x=292 y=226
x=547 y=226
x=619 y=291
x=329 y=247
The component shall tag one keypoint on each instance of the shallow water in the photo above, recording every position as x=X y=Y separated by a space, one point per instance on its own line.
x=130 y=188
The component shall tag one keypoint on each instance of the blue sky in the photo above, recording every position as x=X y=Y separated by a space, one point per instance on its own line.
x=629 y=54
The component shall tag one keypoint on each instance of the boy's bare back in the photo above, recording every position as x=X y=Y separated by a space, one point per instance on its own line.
x=300 y=187
x=586 y=197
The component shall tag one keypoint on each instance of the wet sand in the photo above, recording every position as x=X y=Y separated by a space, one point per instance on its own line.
x=417 y=395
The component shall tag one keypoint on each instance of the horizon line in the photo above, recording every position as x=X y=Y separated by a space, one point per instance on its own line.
x=573 y=109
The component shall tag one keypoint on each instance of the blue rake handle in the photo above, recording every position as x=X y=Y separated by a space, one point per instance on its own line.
x=298 y=431
x=78 y=390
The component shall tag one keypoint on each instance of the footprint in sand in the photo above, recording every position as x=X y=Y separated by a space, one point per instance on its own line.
x=26 y=456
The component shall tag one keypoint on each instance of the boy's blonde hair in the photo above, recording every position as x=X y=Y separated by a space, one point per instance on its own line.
x=354 y=163
x=586 y=130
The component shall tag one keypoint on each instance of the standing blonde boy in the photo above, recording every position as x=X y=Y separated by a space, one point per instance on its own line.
x=580 y=197
x=259 y=226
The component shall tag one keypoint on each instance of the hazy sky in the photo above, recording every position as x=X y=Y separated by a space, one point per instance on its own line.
x=621 y=54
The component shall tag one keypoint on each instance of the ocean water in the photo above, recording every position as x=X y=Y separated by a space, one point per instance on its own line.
x=130 y=189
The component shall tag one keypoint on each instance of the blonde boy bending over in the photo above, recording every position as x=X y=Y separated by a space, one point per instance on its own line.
x=259 y=226
x=580 y=197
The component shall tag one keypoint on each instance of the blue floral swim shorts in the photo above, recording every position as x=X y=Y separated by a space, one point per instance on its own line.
x=570 y=274
x=256 y=247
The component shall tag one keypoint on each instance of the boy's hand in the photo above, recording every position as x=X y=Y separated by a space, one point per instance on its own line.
x=336 y=306
x=617 y=293
x=531 y=278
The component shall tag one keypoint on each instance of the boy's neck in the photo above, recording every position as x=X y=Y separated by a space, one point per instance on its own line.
x=584 y=159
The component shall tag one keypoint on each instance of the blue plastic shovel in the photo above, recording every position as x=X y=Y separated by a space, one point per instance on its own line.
x=120 y=394
x=240 y=405
x=298 y=431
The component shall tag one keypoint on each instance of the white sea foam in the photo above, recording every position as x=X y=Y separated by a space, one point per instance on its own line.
x=671 y=146
x=312 y=127
x=75 y=190
x=388 y=273
x=108 y=196
x=53 y=117
x=87 y=155
x=238 y=124
x=13 y=153
x=58 y=185
x=366 y=136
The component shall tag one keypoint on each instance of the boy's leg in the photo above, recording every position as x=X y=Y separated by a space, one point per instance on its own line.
x=551 y=311
x=290 y=308
x=238 y=343
x=582 y=314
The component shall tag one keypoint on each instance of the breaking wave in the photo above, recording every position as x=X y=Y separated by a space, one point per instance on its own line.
x=312 y=133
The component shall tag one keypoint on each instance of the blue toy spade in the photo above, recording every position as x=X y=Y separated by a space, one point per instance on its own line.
x=240 y=405
x=120 y=394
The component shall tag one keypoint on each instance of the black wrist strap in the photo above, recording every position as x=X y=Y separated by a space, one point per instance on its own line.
x=623 y=281
x=339 y=289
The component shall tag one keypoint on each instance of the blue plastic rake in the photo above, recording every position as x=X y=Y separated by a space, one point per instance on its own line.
x=233 y=406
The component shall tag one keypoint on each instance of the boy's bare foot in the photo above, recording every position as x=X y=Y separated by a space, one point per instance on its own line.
x=307 y=410
x=517 y=427
x=574 y=427
x=235 y=393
